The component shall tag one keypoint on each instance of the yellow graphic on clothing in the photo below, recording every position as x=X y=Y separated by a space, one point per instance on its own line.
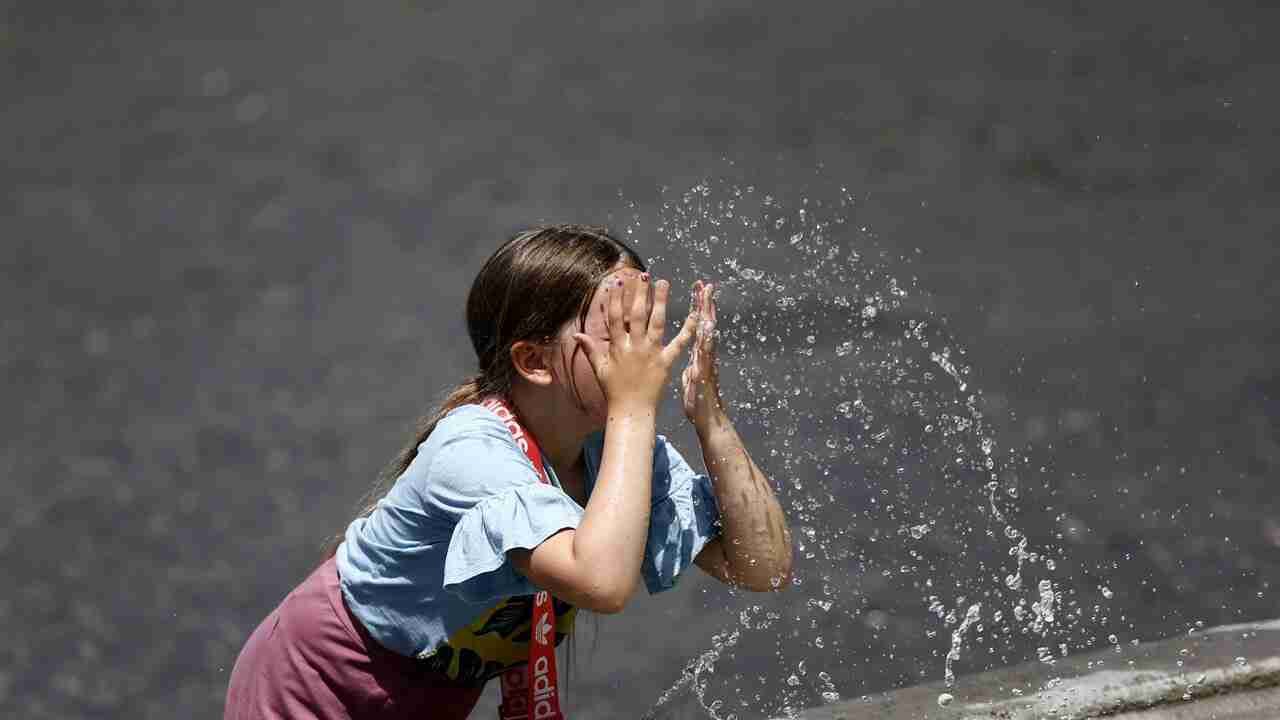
x=494 y=642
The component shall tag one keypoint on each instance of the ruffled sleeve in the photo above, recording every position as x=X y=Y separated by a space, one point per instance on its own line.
x=491 y=501
x=476 y=566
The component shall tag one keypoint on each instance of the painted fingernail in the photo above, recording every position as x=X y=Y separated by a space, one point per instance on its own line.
x=644 y=276
x=618 y=282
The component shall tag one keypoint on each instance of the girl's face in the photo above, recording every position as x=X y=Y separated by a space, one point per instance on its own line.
x=581 y=383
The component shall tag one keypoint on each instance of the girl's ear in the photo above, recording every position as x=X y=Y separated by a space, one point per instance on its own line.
x=532 y=362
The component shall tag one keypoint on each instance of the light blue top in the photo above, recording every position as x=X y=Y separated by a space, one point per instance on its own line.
x=431 y=560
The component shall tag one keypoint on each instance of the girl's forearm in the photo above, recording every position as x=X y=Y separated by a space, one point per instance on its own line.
x=610 y=538
x=757 y=540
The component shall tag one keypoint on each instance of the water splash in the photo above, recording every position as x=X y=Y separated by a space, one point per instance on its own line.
x=694 y=678
x=971 y=616
x=860 y=404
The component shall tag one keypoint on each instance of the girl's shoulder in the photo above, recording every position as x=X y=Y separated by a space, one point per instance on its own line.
x=468 y=422
x=469 y=454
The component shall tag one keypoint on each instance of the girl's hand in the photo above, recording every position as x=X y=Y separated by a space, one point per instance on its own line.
x=701 y=379
x=634 y=366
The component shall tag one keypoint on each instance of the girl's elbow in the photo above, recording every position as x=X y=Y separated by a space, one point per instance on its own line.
x=774 y=582
x=610 y=605
x=784 y=576
x=611 y=599
x=781 y=580
x=777 y=579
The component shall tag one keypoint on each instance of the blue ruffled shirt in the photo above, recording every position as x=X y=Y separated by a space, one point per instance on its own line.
x=427 y=570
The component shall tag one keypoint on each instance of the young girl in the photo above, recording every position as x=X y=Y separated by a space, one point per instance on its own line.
x=543 y=472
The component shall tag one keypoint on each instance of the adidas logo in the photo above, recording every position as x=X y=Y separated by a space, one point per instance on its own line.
x=543 y=630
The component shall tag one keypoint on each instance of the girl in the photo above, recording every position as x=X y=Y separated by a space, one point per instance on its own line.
x=541 y=473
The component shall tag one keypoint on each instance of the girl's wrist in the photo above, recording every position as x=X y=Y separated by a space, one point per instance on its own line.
x=633 y=405
x=709 y=420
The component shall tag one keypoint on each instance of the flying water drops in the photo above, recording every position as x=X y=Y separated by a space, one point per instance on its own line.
x=863 y=408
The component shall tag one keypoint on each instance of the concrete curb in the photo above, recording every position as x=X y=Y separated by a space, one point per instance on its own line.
x=1219 y=666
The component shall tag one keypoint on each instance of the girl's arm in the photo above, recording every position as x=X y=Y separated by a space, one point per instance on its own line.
x=597 y=565
x=754 y=548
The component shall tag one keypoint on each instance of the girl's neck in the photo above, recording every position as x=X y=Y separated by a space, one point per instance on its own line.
x=553 y=425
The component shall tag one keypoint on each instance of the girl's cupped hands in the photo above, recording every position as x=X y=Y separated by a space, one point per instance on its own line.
x=634 y=364
x=701 y=379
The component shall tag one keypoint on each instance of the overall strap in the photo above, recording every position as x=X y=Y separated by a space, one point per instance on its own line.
x=530 y=692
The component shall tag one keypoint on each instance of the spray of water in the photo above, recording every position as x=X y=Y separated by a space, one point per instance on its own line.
x=860 y=405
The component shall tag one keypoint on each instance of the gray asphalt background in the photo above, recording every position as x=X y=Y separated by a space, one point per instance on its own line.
x=237 y=237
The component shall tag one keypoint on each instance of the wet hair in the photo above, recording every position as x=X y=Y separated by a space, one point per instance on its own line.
x=530 y=287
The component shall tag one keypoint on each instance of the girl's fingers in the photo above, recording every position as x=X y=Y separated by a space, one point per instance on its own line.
x=658 y=318
x=629 y=288
x=638 y=314
x=681 y=341
x=614 y=318
x=708 y=318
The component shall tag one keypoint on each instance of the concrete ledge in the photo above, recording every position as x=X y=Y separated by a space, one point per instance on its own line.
x=1250 y=705
x=1226 y=672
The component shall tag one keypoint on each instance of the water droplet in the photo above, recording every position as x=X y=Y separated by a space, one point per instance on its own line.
x=252 y=108
x=945 y=699
x=216 y=83
x=97 y=342
x=1106 y=592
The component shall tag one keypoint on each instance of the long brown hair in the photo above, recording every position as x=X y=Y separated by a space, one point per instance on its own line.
x=528 y=289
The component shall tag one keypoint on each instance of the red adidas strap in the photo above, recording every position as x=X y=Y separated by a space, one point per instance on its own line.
x=531 y=692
